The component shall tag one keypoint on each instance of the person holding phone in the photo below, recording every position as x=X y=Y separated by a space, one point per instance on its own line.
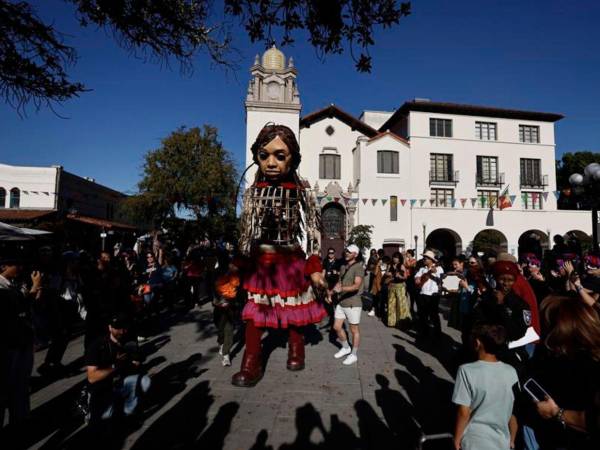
x=567 y=368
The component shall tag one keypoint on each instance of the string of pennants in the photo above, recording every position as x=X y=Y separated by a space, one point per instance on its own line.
x=504 y=201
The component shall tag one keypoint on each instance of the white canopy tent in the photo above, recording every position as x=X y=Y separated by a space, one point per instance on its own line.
x=12 y=233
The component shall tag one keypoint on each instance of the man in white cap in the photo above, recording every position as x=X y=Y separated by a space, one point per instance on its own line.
x=427 y=281
x=349 y=307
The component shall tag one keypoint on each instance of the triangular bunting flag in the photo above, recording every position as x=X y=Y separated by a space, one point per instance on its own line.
x=364 y=200
x=512 y=199
x=453 y=202
x=524 y=197
x=384 y=201
x=373 y=201
x=329 y=198
x=473 y=201
x=336 y=199
x=430 y=202
x=403 y=201
x=413 y=201
x=545 y=195
x=556 y=194
x=463 y=201
x=535 y=196
x=422 y=201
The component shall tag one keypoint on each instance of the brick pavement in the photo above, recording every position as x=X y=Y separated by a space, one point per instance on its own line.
x=396 y=390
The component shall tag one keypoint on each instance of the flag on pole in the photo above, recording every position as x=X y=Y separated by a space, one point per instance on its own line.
x=504 y=200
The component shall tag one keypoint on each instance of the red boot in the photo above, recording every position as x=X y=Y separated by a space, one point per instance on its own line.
x=295 y=349
x=251 y=371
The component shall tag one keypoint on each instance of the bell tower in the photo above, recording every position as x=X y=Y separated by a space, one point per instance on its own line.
x=272 y=97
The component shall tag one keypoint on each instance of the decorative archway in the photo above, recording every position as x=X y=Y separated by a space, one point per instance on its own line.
x=446 y=241
x=490 y=241
x=534 y=241
x=333 y=227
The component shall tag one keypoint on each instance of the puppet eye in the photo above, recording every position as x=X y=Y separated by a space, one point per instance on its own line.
x=263 y=155
x=280 y=157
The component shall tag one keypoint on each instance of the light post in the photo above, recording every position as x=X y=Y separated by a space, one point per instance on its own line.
x=588 y=185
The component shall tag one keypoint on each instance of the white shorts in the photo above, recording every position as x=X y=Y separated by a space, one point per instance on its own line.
x=352 y=314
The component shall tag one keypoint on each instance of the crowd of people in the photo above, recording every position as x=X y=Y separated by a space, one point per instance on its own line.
x=115 y=300
x=530 y=328
x=530 y=332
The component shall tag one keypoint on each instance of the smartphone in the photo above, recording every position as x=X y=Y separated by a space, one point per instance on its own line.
x=535 y=391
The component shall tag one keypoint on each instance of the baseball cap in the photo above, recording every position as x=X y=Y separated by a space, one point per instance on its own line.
x=352 y=248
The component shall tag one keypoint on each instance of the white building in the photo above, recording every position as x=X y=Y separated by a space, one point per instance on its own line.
x=428 y=172
x=29 y=194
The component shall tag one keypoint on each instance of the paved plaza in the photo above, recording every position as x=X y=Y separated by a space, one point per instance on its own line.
x=399 y=389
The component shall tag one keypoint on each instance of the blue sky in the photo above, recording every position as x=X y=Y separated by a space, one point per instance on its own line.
x=539 y=55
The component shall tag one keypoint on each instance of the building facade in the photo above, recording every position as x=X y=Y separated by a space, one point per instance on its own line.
x=451 y=176
x=36 y=193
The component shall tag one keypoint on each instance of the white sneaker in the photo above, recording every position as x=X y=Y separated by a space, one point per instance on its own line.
x=221 y=350
x=226 y=361
x=343 y=352
x=351 y=359
x=371 y=313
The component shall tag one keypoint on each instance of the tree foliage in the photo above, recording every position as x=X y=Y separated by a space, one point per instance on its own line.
x=34 y=58
x=360 y=235
x=192 y=173
x=572 y=162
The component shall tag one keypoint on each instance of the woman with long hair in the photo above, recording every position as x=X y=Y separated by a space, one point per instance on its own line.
x=567 y=367
x=398 y=305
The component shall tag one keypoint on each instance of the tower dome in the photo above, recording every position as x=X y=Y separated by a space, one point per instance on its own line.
x=273 y=59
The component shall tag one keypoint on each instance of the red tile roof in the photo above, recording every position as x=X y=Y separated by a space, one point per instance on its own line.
x=392 y=135
x=468 y=110
x=333 y=111
x=12 y=214
x=108 y=224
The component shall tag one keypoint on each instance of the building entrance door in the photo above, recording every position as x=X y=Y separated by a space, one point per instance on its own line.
x=333 y=228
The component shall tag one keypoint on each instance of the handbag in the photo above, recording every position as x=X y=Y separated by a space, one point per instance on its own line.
x=367 y=301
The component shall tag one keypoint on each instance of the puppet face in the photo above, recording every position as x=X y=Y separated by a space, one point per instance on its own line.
x=275 y=159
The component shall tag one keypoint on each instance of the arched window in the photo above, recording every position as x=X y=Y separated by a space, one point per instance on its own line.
x=2 y=198
x=15 y=198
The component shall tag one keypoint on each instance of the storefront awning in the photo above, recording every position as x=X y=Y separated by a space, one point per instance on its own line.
x=101 y=223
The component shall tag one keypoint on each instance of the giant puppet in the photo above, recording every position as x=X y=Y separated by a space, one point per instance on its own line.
x=279 y=221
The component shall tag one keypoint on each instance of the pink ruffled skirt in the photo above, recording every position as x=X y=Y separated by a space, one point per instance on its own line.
x=280 y=293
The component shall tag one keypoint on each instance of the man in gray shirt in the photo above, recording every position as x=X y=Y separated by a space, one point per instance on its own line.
x=349 y=290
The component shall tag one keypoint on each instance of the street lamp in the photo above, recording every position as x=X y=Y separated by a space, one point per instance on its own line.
x=588 y=185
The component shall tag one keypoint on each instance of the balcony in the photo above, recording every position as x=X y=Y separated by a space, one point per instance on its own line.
x=496 y=180
x=534 y=182
x=444 y=179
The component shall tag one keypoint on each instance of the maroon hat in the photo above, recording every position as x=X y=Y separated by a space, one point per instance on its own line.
x=505 y=267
